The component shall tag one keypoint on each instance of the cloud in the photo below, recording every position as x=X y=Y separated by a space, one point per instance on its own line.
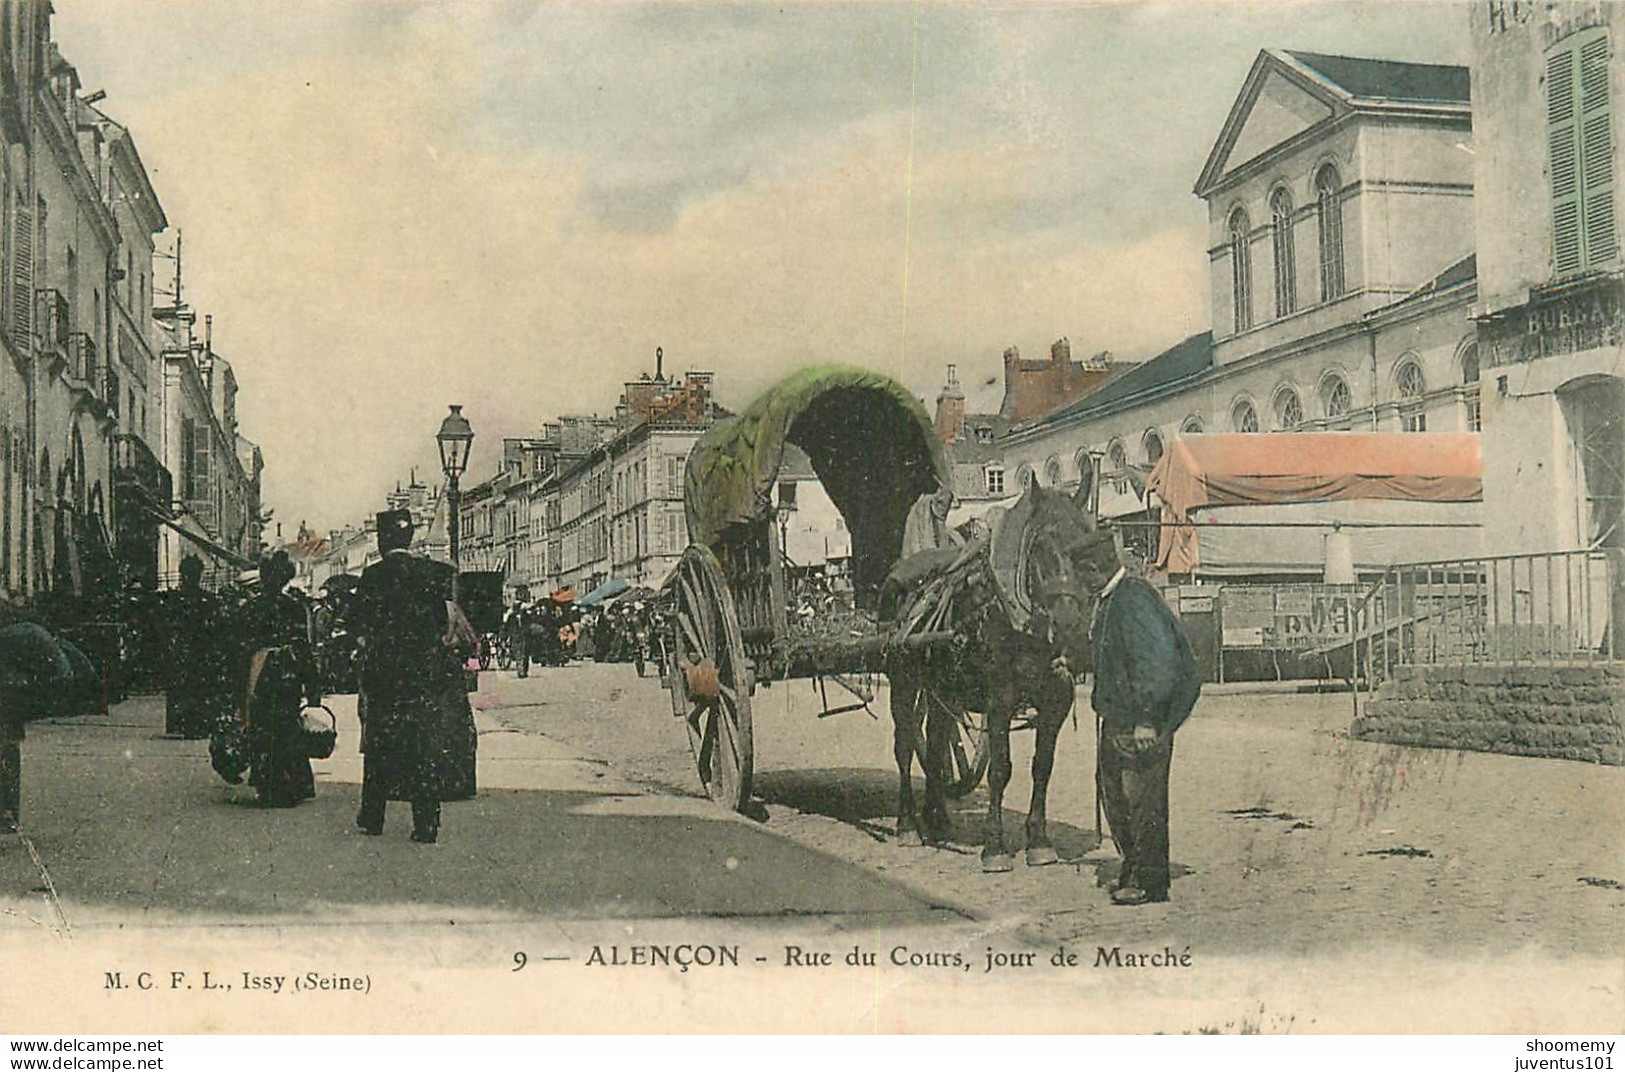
x=390 y=206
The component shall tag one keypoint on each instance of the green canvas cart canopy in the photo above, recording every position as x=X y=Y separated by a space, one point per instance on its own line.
x=871 y=444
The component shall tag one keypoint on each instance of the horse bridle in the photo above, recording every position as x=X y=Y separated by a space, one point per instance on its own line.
x=1055 y=588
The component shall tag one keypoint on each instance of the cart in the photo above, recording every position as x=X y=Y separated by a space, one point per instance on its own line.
x=732 y=623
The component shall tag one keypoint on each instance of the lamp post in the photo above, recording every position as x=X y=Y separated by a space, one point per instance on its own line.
x=455 y=437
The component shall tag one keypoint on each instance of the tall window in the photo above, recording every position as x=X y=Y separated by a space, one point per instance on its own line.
x=1411 y=387
x=1153 y=446
x=1244 y=418
x=1469 y=380
x=1329 y=208
x=1241 y=271
x=1286 y=293
x=995 y=479
x=1579 y=140
x=1335 y=399
x=1116 y=462
x=1288 y=410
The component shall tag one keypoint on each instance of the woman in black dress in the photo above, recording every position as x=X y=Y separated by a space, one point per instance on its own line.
x=279 y=681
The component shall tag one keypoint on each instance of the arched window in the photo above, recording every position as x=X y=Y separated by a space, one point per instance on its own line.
x=1329 y=206
x=1410 y=386
x=1052 y=472
x=1192 y=425
x=1469 y=380
x=1286 y=291
x=1116 y=462
x=1024 y=476
x=1085 y=463
x=1153 y=446
x=1335 y=398
x=1243 y=417
x=1288 y=409
x=1241 y=271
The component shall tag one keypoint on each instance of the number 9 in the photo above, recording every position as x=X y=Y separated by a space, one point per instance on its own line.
x=519 y=961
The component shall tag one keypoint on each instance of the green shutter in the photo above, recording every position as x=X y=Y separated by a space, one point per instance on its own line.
x=1562 y=139
x=22 y=279
x=1596 y=153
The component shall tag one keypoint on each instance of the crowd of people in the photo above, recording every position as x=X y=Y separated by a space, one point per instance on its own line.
x=553 y=630
x=247 y=674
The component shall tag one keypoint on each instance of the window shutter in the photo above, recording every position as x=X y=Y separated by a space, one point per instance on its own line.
x=22 y=278
x=1562 y=134
x=1596 y=154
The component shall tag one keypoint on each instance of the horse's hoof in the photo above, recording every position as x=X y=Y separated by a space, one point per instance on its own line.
x=999 y=864
x=1042 y=856
x=909 y=839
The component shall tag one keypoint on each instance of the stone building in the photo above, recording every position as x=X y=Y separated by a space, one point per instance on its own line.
x=83 y=489
x=90 y=495
x=215 y=509
x=1339 y=197
x=1524 y=655
x=1548 y=86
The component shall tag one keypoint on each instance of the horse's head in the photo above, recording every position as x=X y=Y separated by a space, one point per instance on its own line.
x=1061 y=569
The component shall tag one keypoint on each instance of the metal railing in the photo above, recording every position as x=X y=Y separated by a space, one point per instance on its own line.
x=1545 y=609
x=134 y=464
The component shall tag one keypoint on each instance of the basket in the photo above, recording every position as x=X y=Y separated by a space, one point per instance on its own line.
x=318 y=731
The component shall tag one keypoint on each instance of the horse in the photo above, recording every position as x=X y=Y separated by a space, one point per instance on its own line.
x=1021 y=614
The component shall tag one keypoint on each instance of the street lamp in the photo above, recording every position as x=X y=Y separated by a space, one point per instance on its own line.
x=455 y=437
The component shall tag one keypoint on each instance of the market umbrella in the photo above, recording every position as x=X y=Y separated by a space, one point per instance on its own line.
x=612 y=587
x=36 y=667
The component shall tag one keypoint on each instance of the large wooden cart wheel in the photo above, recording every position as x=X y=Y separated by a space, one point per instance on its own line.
x=967 y=748
x=709 y=678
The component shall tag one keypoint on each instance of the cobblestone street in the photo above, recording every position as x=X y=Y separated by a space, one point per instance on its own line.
x=1322 y=884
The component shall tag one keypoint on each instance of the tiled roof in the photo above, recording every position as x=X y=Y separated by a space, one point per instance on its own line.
x=1390 y=79
x=1191 y=357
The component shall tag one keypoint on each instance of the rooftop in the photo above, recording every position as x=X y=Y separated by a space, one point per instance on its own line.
x=1389 y=79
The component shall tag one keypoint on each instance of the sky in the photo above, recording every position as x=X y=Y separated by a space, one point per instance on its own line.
x=392 y=205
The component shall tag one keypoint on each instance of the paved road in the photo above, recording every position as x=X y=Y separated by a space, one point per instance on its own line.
x=1290 y=837
x=1324 y=884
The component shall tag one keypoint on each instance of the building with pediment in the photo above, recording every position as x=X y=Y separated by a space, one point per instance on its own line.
x=1341 y=244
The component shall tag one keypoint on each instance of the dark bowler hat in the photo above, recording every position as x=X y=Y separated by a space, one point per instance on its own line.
x=395 y=521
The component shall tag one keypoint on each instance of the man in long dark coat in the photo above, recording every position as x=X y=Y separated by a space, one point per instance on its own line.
x=1146 y=683
x=417 y=730
x=198 y=682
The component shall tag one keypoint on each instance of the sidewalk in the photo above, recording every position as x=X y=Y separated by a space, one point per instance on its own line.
x=122 y=827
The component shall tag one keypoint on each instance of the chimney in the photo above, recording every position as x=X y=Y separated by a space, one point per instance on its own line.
x=1012 y=377
x=1060 y=353
x=951 y=409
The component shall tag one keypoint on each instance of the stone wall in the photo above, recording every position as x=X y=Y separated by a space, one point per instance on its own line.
x=1565 y=712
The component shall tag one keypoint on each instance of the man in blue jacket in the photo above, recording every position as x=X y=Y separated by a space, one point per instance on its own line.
x=1146 y=683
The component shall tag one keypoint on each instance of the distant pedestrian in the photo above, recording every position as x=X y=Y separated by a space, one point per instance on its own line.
x=197 y=687
x=417 y=729
x=518 y=627
x=1146 y=684
x=278 y=669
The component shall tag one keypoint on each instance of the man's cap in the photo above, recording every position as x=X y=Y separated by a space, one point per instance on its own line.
x=394 y=521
